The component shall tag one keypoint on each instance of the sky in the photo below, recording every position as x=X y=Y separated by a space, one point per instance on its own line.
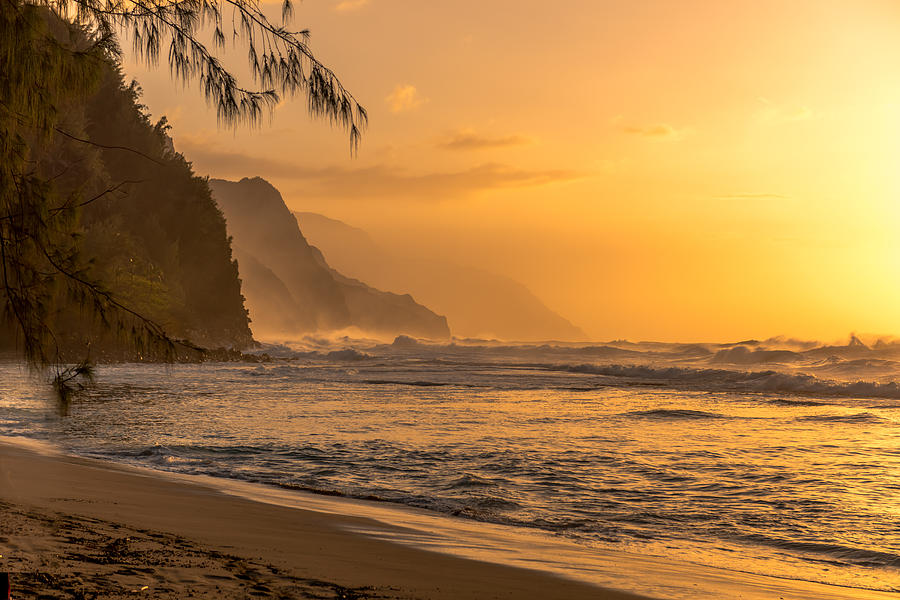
x=676 y=170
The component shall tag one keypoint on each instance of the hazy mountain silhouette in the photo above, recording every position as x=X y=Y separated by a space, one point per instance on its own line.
x=477 y=303
x=290 y=288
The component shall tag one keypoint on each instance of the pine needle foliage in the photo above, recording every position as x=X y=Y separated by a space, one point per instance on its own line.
x=54 y=50
x=280 y=61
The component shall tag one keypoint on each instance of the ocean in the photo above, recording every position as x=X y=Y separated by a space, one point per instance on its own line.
x=779 y=457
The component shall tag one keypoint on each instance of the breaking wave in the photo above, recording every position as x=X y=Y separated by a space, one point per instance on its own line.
x=737 y=381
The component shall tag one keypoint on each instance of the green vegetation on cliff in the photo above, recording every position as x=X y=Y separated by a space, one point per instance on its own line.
x=127 y=224
x=81 y=275
x=162 y=246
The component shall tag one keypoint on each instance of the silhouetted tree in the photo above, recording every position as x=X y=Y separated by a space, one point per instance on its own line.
x=53 y=52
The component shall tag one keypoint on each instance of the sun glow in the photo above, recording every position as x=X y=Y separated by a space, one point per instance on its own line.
x=718 y=171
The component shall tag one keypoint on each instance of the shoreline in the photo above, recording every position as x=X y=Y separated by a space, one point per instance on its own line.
x=209 y=543
x=128 y=527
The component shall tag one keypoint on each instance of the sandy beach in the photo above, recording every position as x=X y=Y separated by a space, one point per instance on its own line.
x=449 y=301
x=73 y=527
x=78 y=528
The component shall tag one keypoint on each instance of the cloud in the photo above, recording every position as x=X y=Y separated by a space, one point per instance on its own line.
x=404 y=98
x=378 y=181
x=752 y=196
x=660 y=131
x=469 y=140
x=390 y=182
x=350 y=5
x=783 y=113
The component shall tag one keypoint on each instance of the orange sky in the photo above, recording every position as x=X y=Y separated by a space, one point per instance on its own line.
x=670 y=170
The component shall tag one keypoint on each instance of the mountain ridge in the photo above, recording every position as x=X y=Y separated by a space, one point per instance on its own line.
x=477 y=303
x=289 y=286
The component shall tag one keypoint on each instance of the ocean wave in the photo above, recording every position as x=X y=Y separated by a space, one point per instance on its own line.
x=341 y=355
x=741 y=355
x=347 y=354
x=860 y=364
x=838 y=553
x=412 y=383
x=736 y=381
x=793 y=402
x=674 y=413
x=854 y=418
x=469 y=481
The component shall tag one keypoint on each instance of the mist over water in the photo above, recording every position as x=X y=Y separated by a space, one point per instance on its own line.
x=775 y=457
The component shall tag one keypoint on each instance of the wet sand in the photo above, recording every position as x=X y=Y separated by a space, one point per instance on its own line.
x=78 y=528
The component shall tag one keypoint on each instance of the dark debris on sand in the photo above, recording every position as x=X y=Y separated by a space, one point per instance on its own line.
x=52 y=556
